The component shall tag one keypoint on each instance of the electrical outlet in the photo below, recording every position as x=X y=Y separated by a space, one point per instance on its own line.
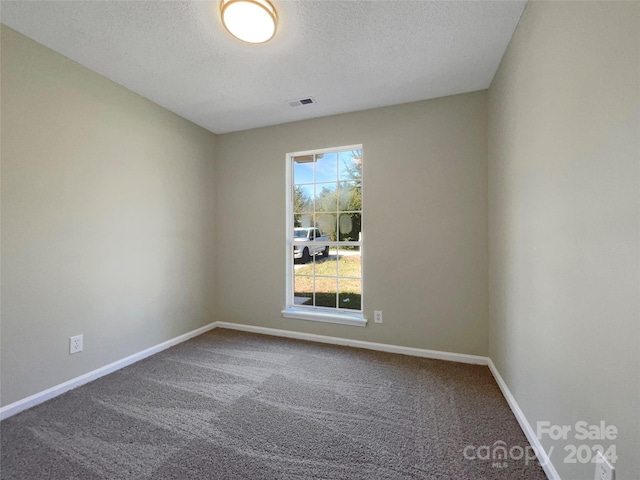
x=377 y=316
x=604 y=469
x=75 y=344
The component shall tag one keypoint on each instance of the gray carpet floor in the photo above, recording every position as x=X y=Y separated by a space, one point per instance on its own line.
x=231 y=405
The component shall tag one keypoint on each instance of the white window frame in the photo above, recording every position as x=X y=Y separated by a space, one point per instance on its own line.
x=318 y=314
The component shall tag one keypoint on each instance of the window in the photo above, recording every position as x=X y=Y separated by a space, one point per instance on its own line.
x=324 y=235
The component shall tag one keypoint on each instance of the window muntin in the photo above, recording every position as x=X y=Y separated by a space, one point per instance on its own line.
x=326 y=199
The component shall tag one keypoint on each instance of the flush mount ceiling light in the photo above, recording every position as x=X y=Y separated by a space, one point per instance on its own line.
x=252 y=21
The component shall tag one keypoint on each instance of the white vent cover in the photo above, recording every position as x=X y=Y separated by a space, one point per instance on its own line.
x=301 y=101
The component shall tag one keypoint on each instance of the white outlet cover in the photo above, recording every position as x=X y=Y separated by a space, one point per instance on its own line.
x=75 y=344
x=604 y=469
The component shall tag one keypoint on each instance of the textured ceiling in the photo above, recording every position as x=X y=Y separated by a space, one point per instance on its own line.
x=348 y=55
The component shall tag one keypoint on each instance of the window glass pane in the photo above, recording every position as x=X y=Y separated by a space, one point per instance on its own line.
x=349 y=262
x=350 y=293
x=326 y=167
x=303 y=169
x=350 y=197
x=325 y=266
x=303 y=250
x=350 y=165
x=327 y=223
x=324 y=254
x=303 y=299
x=302 y=255
x=303 y=198
x=326 y=291
x=303 y=290
x=350 y=226
x=303 y=221
x=327 y=197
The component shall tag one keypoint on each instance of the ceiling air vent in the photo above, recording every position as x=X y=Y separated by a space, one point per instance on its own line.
x=301 y=101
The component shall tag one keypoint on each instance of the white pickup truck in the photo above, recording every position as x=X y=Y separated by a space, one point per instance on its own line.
x=308 y=242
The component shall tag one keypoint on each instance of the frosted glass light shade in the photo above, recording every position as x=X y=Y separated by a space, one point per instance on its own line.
x=252 y=21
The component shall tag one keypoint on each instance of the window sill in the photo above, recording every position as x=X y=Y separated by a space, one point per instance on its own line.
x=355 y=320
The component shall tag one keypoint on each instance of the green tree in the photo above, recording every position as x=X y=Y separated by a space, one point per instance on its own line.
x=353 y=168
x=351 y=197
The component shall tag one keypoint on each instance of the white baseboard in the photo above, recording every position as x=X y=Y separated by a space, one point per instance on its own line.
x=528 y=430
x=382 y=347
x=52 y=392
x=40 y=397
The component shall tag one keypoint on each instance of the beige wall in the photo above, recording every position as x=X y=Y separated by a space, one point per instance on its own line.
x=564 y=156
x=108 y=210
x=106 y=220
x=425 y=194
x=108 y=213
